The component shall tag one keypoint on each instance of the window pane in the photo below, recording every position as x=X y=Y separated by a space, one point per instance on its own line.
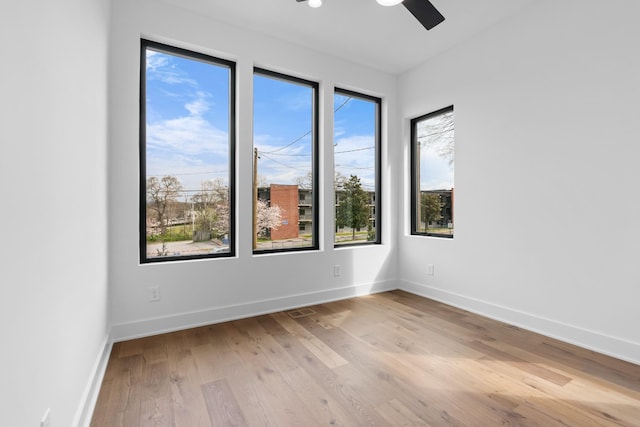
x=186 y=155
x=284 y=142
x=356 y=154
x=433 y=164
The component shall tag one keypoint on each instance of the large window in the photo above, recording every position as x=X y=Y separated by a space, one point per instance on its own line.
x=432 y=152
x=285 y=135
x=356 y=150
x=187 y=105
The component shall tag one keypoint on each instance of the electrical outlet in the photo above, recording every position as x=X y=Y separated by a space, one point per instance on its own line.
x=430 y=270
x=336 y=271
x=154 y=293
x=46 y=419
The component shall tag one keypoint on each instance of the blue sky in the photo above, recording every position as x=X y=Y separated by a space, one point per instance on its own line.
x=188 y=125
x=187 y=119
x=282 y=123
x=354 y=139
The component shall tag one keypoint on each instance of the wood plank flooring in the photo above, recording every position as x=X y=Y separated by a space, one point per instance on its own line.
x=390 y=359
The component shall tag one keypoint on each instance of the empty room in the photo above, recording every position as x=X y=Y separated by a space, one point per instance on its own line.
x=320 y=212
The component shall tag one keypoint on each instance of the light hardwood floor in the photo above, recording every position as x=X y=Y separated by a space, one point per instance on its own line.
x=391 y=359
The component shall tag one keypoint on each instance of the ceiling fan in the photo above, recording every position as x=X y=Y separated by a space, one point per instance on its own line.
x=423 y=10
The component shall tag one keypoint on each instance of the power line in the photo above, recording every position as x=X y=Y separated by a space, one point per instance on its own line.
x=306 y=134
x=354 y=150
x=192 y=173
x=343 y=104
x=288 y=155
x=309 y=154
x=280 y=163
x=354 y=167
x=286 y=146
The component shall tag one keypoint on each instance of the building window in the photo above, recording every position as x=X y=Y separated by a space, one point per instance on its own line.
x=187 y=145
x=432 y=189
x=356 y=168
x=285 y=162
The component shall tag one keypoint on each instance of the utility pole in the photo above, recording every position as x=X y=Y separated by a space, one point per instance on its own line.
x=255 y=198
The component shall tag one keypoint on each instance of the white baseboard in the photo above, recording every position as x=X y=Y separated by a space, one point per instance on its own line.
x=92 y=390
x=611 y=346
x=159 y=325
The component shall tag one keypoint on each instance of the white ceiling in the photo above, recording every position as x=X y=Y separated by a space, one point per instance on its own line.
x=389 y=39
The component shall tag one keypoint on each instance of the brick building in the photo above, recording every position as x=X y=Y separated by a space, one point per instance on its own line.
x=286 y=197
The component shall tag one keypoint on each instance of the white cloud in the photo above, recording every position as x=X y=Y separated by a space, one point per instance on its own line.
x=435 y=171
x=191 y=171
x=191 y=135
x=355 y=155
x=282 y=166
x=161 y=67
x=200 y=105
x=188 y=147
x=156 y=60
x=182 y=142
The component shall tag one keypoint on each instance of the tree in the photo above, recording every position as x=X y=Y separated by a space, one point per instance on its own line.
x=162 y=197
x=221 y=224
x=306 y=181
x=212 y=208
x=338 y=181
x=430 y=208
x=269 y=217
x=438 y=133
x=353 y=205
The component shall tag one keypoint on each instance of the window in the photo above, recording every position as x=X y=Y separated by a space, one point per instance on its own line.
x=432 y=151
x=356 y=168
x=285 y=135
x=186 y=154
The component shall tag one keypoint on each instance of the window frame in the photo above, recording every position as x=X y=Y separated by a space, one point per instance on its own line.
x=315 y=163
x=208 y=59
x=377 y=163
x=415 y=159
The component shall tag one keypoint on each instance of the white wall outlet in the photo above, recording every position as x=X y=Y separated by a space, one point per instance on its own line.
x=337 y=270
x=430 y=269
x=46 y=419
x=154 y=293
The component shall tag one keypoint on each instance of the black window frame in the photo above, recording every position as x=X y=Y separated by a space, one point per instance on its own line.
x=378 y=165
x=415 y=186
x=315 y=163
x=197 y=56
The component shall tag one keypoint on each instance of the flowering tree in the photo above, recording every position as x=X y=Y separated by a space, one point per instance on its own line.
x=211 y=206
x=269 y=217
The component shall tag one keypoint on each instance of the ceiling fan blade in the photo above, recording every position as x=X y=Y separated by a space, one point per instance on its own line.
x=425 y=12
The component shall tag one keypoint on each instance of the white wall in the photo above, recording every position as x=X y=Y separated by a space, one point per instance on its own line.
x=205 y=291
x=53 y=254
x=546 y=133
x=546 y=178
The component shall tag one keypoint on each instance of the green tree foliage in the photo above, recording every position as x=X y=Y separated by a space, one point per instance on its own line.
x=353 y=205
x=430 y=208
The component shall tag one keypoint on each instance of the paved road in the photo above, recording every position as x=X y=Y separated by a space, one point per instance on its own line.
x=198 y=248
x=185 y=248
